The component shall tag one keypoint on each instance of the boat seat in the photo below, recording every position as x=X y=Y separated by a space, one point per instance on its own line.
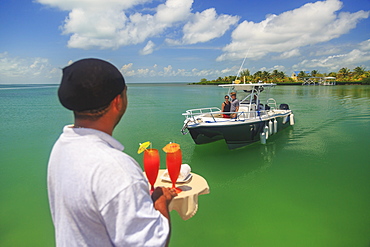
x=243 y=109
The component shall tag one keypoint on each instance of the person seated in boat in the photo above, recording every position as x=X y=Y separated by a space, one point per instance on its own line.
x=256 y=104
x=255 y=100
x=234 y=104
x=261 y=107
x=226 y=107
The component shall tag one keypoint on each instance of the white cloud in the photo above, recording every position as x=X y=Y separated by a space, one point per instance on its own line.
x=20 y=70
x=263 y=69
x=365 y=45
x=106 y=25
x=173 y=11
x=320 y=51
x=169 y=71
x=205 y=26
x=229 y=70
x=127 y=66
x=92 y=4
x=277 y=67
x=148 y=49
x=142 y=72
x=127 y=70
x=310 y=24
x=289 y=54
x=352 y=59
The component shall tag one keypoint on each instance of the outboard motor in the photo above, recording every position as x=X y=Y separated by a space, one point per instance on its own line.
x=284 y=107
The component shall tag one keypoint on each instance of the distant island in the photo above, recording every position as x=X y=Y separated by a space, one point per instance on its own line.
x=358 y=76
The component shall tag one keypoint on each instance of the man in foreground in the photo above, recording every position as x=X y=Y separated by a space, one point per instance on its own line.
x=98 y=195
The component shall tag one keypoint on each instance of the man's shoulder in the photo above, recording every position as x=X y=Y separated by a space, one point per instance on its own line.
x=114 y=175
x=117 y=162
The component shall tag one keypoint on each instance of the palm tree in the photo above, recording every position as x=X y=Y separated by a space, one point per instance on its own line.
x=275 y=75
x=314 y=73
x=265 y=76
x=282 y=75
x=359 y=70
x=343 y=73
x=232 y=78
x=302 y=74
x=257 y=76
x=245 y=73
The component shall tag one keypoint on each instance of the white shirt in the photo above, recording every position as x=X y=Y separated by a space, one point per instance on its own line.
x=98 y=195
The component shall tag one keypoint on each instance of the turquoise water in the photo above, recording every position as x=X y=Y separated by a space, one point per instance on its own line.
x=308 y=186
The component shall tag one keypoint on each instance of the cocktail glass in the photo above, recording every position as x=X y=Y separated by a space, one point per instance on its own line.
x=151 y=165
x=173 y=163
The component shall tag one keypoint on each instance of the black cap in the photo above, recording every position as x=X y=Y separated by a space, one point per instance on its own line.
x=89 y=84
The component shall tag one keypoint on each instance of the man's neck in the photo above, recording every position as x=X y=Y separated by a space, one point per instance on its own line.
x=97 y=125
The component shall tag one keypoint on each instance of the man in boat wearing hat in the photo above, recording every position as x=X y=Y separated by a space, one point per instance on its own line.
x=234 y=104
x=98 y=195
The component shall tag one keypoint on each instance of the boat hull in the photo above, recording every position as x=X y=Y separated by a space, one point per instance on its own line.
x=235 y=135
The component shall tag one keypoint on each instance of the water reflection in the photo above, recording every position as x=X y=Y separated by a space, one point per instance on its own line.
x=226 y=168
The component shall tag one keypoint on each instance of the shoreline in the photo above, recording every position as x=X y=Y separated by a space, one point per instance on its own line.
x=287 y=84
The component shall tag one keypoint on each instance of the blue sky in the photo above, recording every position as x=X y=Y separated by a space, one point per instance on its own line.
x=181 y=40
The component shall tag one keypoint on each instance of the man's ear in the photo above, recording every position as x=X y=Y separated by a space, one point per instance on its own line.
x=117 y=102
x=120 y=101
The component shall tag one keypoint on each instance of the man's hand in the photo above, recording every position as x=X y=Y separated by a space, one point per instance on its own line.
x=167 y=194
x=161 y=198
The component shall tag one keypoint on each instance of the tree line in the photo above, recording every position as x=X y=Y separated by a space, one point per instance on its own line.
x=358 y=75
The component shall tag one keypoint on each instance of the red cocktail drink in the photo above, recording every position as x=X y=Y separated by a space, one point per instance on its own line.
x=173 y=162
x=151 y=165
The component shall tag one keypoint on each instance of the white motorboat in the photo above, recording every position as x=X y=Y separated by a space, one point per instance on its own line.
x=322 y=81
x=254 y=121
x=328 y=81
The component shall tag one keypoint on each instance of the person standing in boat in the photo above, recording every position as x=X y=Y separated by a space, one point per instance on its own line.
x=226 y=107
x=98 y=194
x=234 y=104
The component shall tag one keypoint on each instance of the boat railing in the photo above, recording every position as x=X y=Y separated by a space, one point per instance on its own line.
x=193 y=113
x=243 y=115
x=215 y=113
x=271 y=103
x=203 y=115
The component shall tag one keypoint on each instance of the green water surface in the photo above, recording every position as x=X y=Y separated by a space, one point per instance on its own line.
x=308 y=186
